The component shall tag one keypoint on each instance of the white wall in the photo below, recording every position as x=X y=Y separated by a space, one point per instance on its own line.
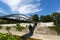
x=46 y=24
x=26 y=24
x=41 y=24
x=22 y=24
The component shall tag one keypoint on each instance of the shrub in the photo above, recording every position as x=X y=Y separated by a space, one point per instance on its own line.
x=19 y=27
x=56 y=28
x=0 y=27
x=7 y=37
x=8 y=28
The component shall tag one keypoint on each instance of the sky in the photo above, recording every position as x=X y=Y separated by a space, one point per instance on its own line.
x=29 y=7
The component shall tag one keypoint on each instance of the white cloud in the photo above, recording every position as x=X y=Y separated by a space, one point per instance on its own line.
x=28 y=9
x=1 y=11
x=58 y=10
x=12 y=3
x=22 y=6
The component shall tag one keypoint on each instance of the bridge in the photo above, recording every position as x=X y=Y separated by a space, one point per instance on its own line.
x=16 y=17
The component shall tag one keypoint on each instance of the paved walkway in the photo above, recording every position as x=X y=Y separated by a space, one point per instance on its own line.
x=46 y=37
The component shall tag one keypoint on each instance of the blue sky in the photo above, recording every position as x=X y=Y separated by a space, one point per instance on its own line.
x=40 y=7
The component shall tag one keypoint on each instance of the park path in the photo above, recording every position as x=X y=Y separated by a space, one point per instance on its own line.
x=35 y=36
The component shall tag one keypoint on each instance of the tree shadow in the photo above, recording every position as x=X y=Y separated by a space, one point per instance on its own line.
x=31 y=30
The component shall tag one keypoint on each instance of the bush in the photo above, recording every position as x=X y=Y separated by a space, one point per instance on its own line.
x=8 y=37
x=19 y=27
x=0 y=27
x=8 y=28
x=56 y=28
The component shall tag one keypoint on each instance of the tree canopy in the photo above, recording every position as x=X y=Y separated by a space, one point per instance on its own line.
x=46 y=18
x=35 y=18
x=56 y=17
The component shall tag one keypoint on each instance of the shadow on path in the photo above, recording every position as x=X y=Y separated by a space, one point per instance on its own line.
x=31 y=30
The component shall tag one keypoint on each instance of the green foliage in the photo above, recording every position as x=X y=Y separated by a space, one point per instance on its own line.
x=35 y=18
x=46 y=18
x=19 y=27
x=8 y=28
x=42 y=19
x=8 y=21
x=56 y=28
x=56 y=17
x=9 y=37
x=0 y=27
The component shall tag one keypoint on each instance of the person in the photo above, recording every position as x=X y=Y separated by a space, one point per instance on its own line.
x=34 y=26
x=30 y=29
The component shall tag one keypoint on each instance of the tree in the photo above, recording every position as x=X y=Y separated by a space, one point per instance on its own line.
x=46 y=18
x=42 y=18
x=56 y=17
x=35 y=18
